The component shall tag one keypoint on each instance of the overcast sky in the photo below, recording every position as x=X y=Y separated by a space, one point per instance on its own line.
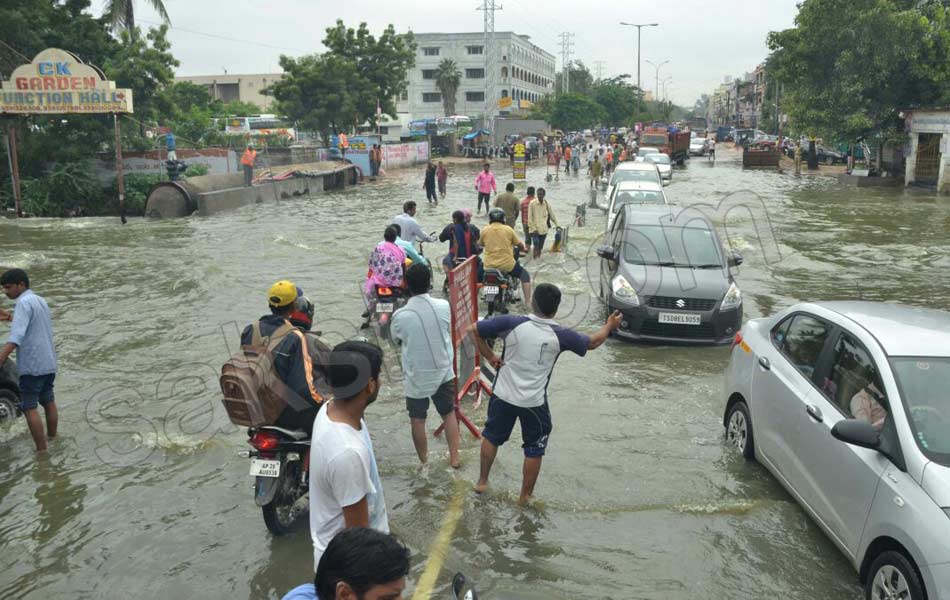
x=704 y=40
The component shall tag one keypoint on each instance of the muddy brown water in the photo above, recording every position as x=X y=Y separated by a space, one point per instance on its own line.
x=144 y=495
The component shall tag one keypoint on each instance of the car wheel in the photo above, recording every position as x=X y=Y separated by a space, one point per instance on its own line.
x=8 y=406
x=739 y=429
x=892 y=575
x=830 y=160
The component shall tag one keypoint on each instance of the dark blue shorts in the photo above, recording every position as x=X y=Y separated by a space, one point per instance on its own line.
x=537 y=240
x=36 y=389
x=535 y=425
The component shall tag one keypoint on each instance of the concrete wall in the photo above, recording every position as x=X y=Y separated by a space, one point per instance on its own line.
x=217 y=160
x=929 y=121
x=249 y=86
x=210 y=196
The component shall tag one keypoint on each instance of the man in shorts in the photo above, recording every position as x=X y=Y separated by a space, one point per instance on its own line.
x=532 y=344
x=31 y=335
x=423 y=331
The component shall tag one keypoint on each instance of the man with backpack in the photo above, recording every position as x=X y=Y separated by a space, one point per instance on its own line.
x=292 y=362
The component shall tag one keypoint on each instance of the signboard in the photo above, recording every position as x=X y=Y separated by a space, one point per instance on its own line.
x=57 y=82
x=525 y=104
x=504 y=102
x=518 y=170
x=463 y=302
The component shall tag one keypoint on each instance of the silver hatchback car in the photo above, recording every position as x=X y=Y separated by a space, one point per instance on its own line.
x=848 y=405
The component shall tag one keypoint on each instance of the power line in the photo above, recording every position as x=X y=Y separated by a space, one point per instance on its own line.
x=567 y=47
x=226 y=38
x=489 y=7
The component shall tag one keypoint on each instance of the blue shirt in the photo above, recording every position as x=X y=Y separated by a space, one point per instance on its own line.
x=410 y=250
x=423 y=331
x=32 y=332
x=170 y=141
x=532 y=346
x=302 y=592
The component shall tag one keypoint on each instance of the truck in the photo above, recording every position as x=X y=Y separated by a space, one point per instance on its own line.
x=673 y=143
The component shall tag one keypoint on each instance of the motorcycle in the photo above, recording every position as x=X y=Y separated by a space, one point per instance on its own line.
x=280 y=465
x=388 y=300
x=498 y=291
x=9 y=393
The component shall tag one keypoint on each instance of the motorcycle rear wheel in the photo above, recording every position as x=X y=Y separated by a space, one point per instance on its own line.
x=279 y=515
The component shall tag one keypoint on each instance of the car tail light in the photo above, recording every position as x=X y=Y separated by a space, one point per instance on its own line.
x=263 y=440
x=736 y=340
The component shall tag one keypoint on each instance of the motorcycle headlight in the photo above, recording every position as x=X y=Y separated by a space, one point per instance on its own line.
x=732 y=299
x=624 y=292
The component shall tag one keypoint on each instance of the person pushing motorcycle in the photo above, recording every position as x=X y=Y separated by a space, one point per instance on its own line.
x=497 y=240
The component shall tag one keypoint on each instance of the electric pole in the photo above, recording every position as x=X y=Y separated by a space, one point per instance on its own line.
x=639 y=27
x=489 y=7
x=567 y=47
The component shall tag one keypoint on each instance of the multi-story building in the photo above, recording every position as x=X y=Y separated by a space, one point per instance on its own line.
x=246 y=88
x=516 y=74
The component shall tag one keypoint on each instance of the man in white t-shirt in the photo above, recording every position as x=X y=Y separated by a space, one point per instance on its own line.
x=345 y=490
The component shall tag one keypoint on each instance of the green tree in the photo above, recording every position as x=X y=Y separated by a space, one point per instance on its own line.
x=618 y=98
x=849 y=67
x=238 y=108
x=572 y=112
x=121 y=13
x=579 y=77
x=381 y=66
x=319 y=92
x=447 y=79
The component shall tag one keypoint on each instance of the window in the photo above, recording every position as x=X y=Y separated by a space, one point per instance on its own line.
x=474 y=73
x=504 y=93
x=383 y=130
x=431 y=97
x=404 y=96
x=430 y=51
x=853 y=383
x=474 y=96
x=803 y=342
x=428 y=73
x=475 y=49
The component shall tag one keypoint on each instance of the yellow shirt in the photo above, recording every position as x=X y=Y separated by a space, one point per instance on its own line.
x=498 y=240
x=538 y=215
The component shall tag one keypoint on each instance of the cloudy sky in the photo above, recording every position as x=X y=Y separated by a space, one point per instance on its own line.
x=704 y=40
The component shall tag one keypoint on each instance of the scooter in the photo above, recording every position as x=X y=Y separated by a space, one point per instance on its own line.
x=280 y=464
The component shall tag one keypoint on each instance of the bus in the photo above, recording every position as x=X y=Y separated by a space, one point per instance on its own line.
x=256 y=125
x=458 y=124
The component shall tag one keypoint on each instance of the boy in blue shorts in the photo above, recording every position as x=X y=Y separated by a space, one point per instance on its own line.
x=532 y=344
x=31 y=335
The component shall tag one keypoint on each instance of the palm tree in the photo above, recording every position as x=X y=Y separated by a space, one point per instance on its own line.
x=447 y=79
x=121 y=13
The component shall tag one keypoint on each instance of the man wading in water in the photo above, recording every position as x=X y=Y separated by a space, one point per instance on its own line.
x=532 y=345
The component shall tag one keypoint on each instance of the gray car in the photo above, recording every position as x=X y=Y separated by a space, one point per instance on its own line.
x=848 y=405
x=669 y=275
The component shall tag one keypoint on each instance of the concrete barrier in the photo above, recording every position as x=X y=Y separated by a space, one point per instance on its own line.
x=211 y=194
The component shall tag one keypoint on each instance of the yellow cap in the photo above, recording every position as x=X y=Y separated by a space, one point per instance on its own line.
x=281 y=293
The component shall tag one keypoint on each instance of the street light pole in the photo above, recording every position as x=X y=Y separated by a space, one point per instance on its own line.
x=656 y=89
x=639 y=27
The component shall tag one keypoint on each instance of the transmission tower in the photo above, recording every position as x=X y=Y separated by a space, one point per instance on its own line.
x=600 y=69
x=489 y=7
x=567 y=48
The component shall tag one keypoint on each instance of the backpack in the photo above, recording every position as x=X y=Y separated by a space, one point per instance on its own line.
x=250 y=383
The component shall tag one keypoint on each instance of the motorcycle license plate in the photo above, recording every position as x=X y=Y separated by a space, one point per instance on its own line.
x=265 y=468
x=384 y=307
x=491 y=290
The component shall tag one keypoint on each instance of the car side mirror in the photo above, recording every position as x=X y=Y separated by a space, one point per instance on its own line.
x=607 y=252
x=857 y=433
x=735 y=259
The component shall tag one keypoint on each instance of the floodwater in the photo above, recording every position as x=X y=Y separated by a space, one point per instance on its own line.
x=144 y=495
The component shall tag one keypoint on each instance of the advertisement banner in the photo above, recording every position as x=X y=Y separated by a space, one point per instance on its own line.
x=57 y=82
x=518 y=165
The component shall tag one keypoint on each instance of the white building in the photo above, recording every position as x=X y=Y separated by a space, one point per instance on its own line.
x=519 y=74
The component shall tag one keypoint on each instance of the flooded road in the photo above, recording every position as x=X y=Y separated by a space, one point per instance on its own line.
x=144 y=494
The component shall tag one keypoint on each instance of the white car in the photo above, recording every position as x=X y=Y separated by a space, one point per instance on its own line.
x=632 y=171
x=645 y=151
x=663 y=164
x=848 y=405
x=633 y=192
x=698 y=146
